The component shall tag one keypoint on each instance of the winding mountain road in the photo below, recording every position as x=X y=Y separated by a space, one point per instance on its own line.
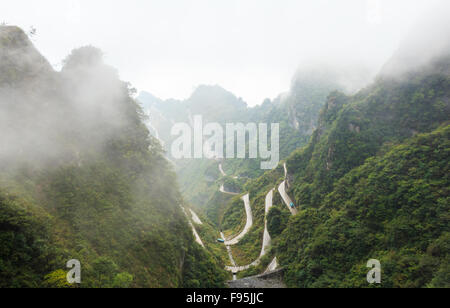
x=230 y=255
x=282 y=190
x=197 y=237
x=287 y=200
x=248 y=224
x=266 y=237
x=222 y=190
x=195 y=218
x=248 y=212
x=221 y=170
x=265 y=245
x=194 y=231
x=267 y=240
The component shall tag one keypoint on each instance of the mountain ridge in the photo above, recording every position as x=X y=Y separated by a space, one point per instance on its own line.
x=81 y=178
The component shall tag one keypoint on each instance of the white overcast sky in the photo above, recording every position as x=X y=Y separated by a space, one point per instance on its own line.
x=250 y=47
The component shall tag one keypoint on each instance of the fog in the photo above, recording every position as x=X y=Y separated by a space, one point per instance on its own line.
x=427 y=40
x=49 y=112
x=250 y=47
x=49 y=117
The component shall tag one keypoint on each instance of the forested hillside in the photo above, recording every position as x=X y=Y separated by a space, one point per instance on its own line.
x=354 y=128
x=81 y=178
x=335 y=175
x=370 y=183
x=394 y=208
x=373 y=184
x=296 y=111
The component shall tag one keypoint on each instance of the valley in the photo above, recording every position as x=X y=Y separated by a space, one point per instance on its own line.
x=264 y=213
x=339 y=180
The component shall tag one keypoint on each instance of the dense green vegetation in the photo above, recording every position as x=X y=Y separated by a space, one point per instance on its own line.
x=201 y=270
x=352 y=129
x=216 y=207
x=199 y=181
x=93 y=185
x=233 y=185
x=25 y=244
x=277 y=221
x=233 y=219
x=373 y=183
x=81 y=178
x=394 y=208
x=249 y=248
x=209 y=234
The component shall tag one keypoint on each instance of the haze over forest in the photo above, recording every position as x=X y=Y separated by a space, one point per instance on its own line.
x=358 y=90
x=252 y=47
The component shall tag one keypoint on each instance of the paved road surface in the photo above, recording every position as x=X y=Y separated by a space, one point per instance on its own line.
x=230 y=255
x=287 y=200
x=195 y=218
x=222 y=190
x=221 y=170
x=197 y=237
x=266 y=238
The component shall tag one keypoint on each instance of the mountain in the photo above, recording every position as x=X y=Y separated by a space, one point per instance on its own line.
x=367 y=172
x=372 y=183
x=81 y=178
x=87 y=173
x=296 y=112
x=393 y=208
x=364 y=173
x=202 y=181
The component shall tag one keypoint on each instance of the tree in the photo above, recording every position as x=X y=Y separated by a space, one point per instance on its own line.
x=122 y=280
x=276 y=221
x=57 y=279
x=32 y=31
x=105 y=270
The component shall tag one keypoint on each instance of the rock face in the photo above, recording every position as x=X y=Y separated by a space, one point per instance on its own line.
x=270 y=280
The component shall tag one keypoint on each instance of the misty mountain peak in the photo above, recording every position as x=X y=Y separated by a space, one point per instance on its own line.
x=212 y=91
x=13 y=37
x=18 y=56
x=215 y=95
x=427 y=47
x=86 y=56
x=147 y=99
